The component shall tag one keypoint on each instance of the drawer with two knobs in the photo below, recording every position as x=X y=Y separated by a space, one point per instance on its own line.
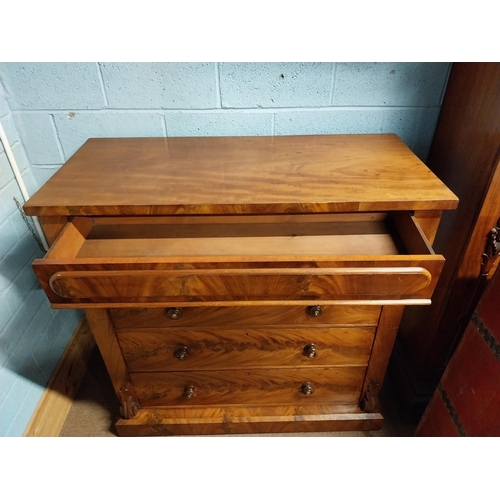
x=235 y=316
x=266 y=386
x=184 y=349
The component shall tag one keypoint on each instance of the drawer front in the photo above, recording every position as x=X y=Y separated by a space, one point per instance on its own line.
x=221 y=264
x=185 y=349
x=263 y=387
x=231 y=316
x=219 y=286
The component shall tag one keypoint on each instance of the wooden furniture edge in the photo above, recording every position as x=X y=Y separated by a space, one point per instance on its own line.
x=52 y=409
x=228 y=420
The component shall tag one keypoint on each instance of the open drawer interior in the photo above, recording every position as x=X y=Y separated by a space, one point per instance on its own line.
x=236 y=237
x=240 y=260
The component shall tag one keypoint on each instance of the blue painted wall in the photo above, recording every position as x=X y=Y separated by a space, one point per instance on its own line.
x=60 y=105
x=32 y=336
x=50 y=109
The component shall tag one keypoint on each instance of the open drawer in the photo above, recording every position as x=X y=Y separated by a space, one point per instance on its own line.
x=240 y=260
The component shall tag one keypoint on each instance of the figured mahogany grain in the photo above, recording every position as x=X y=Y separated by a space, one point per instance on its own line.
x=241 y=175
x=250 y=386
x=249 y=419
x=240 y=285
x=258 y=315
x=155 y=350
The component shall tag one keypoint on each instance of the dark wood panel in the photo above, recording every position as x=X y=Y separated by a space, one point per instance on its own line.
x=204 y=349
x=464 y=154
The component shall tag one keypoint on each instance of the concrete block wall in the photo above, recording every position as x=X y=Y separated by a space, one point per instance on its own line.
x=53 y=108
x=32 y=336
x=60 y=105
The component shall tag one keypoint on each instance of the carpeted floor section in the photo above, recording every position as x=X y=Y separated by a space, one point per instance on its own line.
x=95 y=409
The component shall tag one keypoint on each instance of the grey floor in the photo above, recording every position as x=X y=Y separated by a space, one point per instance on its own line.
x=95 y=409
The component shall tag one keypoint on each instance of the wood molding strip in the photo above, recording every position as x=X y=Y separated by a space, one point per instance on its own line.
x=52 y=409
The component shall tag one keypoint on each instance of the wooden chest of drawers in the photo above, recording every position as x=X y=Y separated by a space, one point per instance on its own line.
x=239 y=285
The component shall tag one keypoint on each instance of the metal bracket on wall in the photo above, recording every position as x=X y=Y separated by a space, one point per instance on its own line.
x=30 y=227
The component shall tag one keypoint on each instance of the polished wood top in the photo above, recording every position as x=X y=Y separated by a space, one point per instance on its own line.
x=243 y=175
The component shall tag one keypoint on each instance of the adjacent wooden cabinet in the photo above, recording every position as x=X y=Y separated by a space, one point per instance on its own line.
x=240 y=285
x=465 y=154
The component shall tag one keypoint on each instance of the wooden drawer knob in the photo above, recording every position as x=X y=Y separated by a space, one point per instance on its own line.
x=182 y=353
x=310 y=351
x=189 y=392
x=315 y=311
x=307 y=388
x=174 y=313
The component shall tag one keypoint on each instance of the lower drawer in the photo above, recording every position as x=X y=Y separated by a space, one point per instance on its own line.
x=207 y=349
x=233 y=316
x=248 y=387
